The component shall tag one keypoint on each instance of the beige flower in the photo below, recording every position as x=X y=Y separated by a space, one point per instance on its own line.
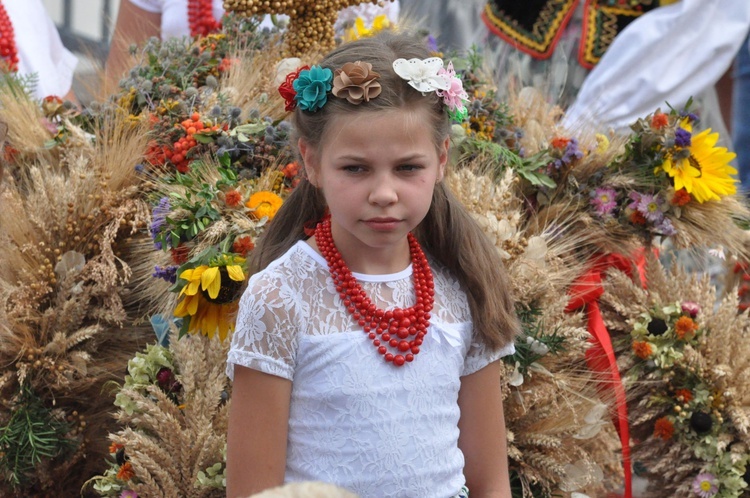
x=356 y=82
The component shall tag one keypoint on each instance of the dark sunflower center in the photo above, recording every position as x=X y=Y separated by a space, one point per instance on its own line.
x=695 y=164
x=227 y=292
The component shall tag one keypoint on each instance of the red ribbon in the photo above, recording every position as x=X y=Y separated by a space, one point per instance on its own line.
x=600 y=357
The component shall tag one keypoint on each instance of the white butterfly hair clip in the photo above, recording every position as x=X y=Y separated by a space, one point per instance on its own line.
x=422 y=74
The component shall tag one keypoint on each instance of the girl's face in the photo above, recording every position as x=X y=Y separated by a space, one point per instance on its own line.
x=377 y=171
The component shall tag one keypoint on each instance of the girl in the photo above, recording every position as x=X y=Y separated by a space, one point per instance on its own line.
x=366 y=356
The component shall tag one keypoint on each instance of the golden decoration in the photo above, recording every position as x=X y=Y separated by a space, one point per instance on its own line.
x=310 y=21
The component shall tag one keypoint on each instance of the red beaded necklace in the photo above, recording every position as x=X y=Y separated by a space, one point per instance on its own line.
x=403 y=329
x=8 y=48
x=201 y=18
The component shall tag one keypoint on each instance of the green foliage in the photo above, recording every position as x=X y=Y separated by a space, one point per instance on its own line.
x=32 y=434
x=533 y=343
x=196 y=205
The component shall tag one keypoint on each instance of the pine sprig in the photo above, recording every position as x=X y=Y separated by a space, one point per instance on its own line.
x=32 y=434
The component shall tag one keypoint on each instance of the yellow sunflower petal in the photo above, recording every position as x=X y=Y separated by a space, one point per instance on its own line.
x=211 y=281
x=211 y=320
x=235 y=273
x=706 y=174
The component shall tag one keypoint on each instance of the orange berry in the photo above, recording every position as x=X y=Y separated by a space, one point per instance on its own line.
x=191 y=130
x=195 y=116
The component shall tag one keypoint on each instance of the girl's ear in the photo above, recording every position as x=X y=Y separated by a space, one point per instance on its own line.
x=310 y=160
x=443 y=158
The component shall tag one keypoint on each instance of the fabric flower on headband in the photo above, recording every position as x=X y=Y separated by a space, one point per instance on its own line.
x=356 y=82
x=423 y=75
x=287 y=91
x=455 y=96
x=312 y=87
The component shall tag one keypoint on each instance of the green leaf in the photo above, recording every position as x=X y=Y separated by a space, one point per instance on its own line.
x=202 y=138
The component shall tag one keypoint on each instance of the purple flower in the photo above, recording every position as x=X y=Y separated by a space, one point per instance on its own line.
x=570 y=154
x=635 y=198
x=128 y=494
x=665 y=227
x=692 y=117
x=168 y=273
x=682 y=138
x=604 y=200
x=705 y=485
x=432 y=44
x=651 y=207
x=691 y=308
x=159 y=218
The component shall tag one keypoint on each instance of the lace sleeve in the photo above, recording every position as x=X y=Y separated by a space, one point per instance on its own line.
x=266 y=333
x=479 y=355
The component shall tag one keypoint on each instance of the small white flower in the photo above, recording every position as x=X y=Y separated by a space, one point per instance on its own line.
x=718 y=252
x=422 y=74
x=537 y=347
x=284 y=67
x=516 y=379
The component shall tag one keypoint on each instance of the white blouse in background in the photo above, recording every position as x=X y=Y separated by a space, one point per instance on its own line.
x=355 y=420
x=40 y=49
x=667 y=55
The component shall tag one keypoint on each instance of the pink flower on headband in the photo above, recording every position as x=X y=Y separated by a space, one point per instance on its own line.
x=455 y=95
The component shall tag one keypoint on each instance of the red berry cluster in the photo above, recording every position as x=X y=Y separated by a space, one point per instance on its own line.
x=178 y=153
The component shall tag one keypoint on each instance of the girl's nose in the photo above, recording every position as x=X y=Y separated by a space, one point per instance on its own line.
x=383 y=192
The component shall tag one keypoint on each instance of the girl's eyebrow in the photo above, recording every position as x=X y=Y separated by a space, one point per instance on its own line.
x=355 y=157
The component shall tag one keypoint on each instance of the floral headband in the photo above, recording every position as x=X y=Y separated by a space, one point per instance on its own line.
x=356 y=82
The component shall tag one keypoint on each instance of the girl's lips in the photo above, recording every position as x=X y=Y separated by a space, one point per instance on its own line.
x=382 y=224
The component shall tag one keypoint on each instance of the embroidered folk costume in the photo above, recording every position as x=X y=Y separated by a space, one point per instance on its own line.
x=535 y=26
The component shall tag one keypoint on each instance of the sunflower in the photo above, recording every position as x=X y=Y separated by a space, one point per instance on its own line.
x=701 y=168
x=264 y=204
x=209 y=297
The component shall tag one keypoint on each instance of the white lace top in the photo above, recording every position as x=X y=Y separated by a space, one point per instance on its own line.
x=355 y=420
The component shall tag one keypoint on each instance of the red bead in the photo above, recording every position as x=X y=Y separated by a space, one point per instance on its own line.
x=382 y=350
x=389 y=357
x=409 y=357
x=393 y=343
x=415 y=349
x=403 y=333
x=398 y=360
x=403 y=346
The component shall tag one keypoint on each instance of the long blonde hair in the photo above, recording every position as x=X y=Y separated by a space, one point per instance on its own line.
x=448 y=233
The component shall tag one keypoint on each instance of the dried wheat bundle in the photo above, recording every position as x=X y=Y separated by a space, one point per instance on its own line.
x=65 y=211
x=685 y=361
x=174 y=422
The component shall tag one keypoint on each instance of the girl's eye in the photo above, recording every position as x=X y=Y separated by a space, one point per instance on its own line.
x=353 y=169
x=410 y=167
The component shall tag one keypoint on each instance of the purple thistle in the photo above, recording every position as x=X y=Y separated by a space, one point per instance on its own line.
x=159 y=218
x=682 y=138
x=604 y=200
x=650 y=207
x=168 y=273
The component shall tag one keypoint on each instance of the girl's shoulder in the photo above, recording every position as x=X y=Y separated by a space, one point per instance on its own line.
x=299 y=263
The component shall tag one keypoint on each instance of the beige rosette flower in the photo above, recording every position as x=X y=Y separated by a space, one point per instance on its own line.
x=356 y=82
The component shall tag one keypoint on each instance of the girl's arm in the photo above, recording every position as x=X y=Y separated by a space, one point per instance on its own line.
x=257 y=433
x=482 y=439
x=133 y=25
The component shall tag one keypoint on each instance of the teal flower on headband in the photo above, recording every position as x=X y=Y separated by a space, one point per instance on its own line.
x=312 y=87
